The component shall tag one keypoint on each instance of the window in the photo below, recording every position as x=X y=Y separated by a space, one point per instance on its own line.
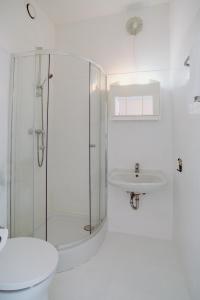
x=134 y=106
x=135 y=102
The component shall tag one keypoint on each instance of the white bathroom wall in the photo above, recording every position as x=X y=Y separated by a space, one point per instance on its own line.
x=17 y=33
x=185 y=40
x=106 y=41
x=150 y=144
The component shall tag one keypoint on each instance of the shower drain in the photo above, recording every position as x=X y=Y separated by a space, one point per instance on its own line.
x=88 y=228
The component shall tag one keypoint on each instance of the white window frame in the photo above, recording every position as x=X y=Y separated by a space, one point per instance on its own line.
x=134 y=90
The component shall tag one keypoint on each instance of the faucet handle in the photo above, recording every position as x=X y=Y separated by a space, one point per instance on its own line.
x=137 y=167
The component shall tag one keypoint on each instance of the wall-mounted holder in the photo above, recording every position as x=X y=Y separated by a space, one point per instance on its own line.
x=197 y=99
x=180 y=165
x=187 y=62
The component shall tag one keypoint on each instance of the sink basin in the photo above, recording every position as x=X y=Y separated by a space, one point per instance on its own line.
x=144 y=182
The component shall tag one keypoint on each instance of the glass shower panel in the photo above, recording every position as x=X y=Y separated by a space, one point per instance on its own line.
x=40 y=143
x=27 y=191
x=95 y=145
x=68 y=151
x=22 y=180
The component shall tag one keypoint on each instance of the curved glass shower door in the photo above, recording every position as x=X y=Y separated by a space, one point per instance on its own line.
x=68 y=151
x=58 y=148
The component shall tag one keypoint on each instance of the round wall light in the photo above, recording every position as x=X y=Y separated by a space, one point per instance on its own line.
x=134 y=25
x=31 y=10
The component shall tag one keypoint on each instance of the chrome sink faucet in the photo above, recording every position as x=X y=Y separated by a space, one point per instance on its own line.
x=137 y=168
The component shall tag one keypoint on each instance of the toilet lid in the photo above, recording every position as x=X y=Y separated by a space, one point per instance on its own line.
x=25 y=262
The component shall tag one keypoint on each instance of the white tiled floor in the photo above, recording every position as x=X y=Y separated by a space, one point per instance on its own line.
x=125 y=268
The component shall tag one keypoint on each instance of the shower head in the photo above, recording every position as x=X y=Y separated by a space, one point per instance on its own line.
x=40 y=86
x=49 y=77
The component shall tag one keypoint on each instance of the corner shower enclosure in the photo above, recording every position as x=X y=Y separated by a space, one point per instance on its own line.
x=58 y=148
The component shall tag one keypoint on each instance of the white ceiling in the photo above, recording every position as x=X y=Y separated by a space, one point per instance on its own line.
x=63 y=11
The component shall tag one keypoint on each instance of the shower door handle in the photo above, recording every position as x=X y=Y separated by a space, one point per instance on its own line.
x=92 y=146
x=37 y=131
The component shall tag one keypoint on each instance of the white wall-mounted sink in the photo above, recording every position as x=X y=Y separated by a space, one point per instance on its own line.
x=144 y=182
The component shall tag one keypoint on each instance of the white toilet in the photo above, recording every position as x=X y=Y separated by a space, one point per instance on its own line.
x=27 y=267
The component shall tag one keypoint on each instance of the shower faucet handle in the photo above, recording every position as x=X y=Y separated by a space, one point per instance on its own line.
x=39 y=131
